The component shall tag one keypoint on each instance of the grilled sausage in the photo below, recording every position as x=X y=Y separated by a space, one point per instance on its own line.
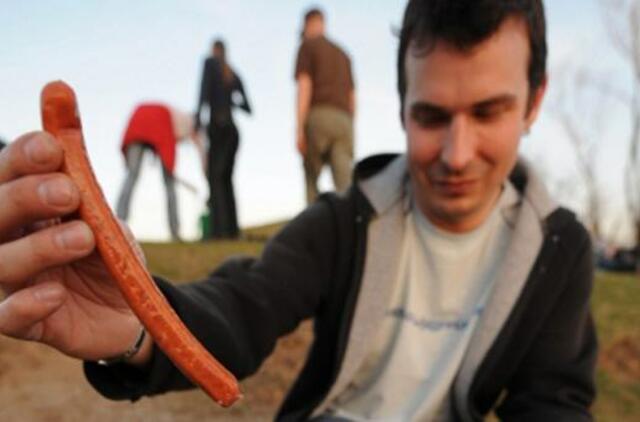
x=60 y=117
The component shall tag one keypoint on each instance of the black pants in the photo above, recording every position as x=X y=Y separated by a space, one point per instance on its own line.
x=223 y=145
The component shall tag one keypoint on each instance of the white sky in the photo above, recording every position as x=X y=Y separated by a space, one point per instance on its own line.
x=116 y=53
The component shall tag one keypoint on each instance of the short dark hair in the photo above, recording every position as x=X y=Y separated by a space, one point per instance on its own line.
x=465 y=24
x=218 y=43
x=313 y=13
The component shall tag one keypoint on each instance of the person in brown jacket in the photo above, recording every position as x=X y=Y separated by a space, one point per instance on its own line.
x=325 y=106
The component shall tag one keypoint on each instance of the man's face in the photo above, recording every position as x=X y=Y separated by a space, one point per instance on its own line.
x=464 y=114
x=313 y=27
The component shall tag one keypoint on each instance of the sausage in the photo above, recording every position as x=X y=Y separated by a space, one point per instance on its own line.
x=60 y=117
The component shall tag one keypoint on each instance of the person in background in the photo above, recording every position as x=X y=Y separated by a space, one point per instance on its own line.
x=156 y=128
x=325 y=106
x=444 y=285
x=221 y=89
x=2 y=144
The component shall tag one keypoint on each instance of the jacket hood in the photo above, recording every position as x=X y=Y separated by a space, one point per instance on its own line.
x=383 y=180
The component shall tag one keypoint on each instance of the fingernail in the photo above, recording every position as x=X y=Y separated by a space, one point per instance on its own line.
x=38 y=150
x=76 y=237
x=56 y=192
x=50 y=293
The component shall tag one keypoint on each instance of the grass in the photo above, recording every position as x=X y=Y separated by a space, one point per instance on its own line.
x=616 y=308
x=180 y=262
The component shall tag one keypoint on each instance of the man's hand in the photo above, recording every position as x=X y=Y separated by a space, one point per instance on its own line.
x=198 y=139
x=303 y=103
x=301 y=143
x=57 y=289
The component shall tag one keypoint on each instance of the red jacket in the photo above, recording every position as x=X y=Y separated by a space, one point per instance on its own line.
x=151 y=124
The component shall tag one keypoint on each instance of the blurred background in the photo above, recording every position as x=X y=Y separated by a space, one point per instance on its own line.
x=118 y=53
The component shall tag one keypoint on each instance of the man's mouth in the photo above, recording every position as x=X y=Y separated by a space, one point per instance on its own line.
x=454 y=187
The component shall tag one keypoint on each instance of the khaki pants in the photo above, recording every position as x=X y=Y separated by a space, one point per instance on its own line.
x=329 y=133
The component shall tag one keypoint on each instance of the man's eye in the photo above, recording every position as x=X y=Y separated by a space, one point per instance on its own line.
x=430 y=118
x=488 y=113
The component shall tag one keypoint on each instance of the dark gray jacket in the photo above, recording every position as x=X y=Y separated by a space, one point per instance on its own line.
x=535 y=342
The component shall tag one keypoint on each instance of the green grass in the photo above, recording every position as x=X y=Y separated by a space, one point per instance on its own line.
x=616 y=305
x=181 y=262
x=616 y=308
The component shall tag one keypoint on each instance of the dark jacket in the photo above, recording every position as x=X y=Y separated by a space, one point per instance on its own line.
x=218 y=94
x=543 y=355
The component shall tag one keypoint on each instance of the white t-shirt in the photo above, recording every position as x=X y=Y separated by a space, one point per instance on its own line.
x=442 y=286
x=183 y=123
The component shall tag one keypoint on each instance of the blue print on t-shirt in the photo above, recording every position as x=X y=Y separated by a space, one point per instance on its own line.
x=433 y=324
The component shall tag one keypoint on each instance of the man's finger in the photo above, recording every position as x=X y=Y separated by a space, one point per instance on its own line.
x=34 y=198
x=35 y=152
x=30 y=255
x=22 y=313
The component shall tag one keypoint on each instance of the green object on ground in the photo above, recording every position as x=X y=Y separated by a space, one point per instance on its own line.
x=204 y=225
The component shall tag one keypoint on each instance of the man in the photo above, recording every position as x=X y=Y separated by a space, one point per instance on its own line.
x=158 y=128
x=444 y=284
x=2 y=144
x=325 y=106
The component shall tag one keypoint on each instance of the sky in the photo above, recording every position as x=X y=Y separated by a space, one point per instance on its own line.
x=117 y=53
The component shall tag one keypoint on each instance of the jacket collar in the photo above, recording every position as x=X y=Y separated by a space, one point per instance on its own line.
x=383 y=179
x=387 y=186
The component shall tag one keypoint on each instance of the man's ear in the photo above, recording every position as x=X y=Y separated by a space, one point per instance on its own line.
x=536 y=103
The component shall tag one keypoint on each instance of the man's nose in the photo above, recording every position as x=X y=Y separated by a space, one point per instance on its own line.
x=458 y=148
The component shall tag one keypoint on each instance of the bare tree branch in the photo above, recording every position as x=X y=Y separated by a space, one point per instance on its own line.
x=622 y=19
x=580 y=106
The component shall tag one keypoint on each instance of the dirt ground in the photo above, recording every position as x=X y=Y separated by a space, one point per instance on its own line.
x=38 y=384
x=622 y=359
